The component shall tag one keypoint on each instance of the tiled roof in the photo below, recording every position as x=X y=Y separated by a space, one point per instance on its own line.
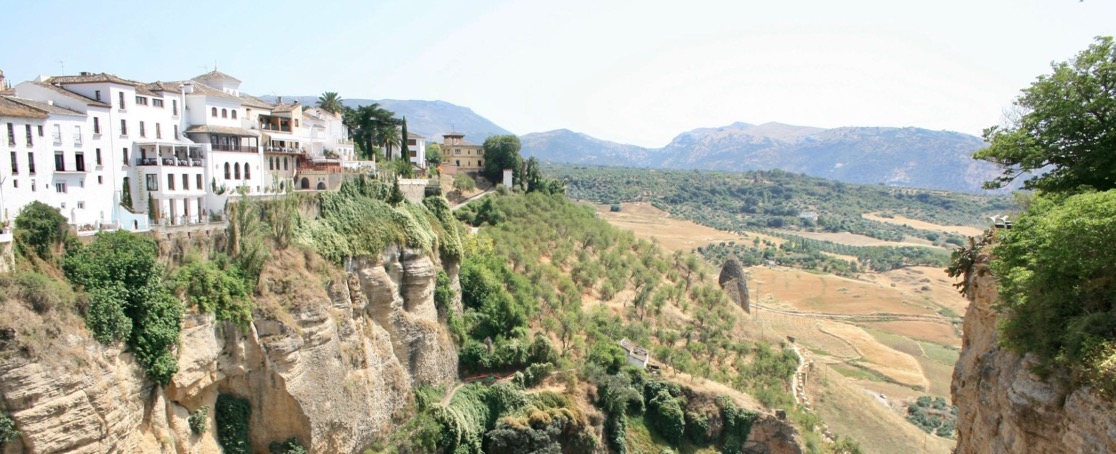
x=60 y=90
x=286 y=107
x=45 y=107
x=411 y=135
x=92 y=78
x=143 y=90
x=164 y=86
x=216 y=75
x=222 y=130
x=454 y=134
x=252 y=101
x=10 y=108
x=200 y=88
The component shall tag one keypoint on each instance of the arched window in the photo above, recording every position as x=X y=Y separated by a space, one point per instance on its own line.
x=285 y=163
x=213 y=111
x=234 y=114
x=236 y=170
x=227 y=175
x=224 y=113
x=247 y=172
x=270 y=163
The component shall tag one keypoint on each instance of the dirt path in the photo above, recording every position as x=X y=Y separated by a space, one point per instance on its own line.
x=449 y=396
x=470 y=199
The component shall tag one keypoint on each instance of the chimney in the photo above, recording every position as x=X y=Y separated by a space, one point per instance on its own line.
x=86 y=73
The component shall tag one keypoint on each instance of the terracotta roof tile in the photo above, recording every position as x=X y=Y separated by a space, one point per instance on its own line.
x=60 y=90
x=10 y=108
x=252 y=101
x=216 y=75
x=45 y=107
x=221 y=130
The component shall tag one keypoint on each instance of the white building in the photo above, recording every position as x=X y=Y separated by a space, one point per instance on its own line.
x=111 y=152
x=416 y=145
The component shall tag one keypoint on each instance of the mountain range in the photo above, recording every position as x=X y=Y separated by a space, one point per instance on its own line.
x=911 y=157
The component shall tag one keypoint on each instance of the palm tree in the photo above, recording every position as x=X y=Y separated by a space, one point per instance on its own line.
x=330 y=102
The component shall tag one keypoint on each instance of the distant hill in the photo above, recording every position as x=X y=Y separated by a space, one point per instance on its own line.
x=428 y=118
x=911 y=157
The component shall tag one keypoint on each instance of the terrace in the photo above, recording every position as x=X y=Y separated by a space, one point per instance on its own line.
x=156 y=154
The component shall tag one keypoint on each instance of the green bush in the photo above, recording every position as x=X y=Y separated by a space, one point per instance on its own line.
x=39 y=228
x=1055 y=270
x=199 y=420
x=43 y=293
x=463 y=182
x=215 y=290
x=666 y=417
x=8 y=430
x=232 y=424
x=128 y=299
x=288 y=446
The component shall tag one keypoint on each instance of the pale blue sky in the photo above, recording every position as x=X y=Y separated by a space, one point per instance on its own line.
x=630 y=71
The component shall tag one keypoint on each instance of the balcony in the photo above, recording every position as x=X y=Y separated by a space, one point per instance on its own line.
x=274 y=127
x=170 y=162
x=240 y=148
x=294 y=150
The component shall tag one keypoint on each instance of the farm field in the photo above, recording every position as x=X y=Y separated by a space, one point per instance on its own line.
x=922 y=225
x=894 y=333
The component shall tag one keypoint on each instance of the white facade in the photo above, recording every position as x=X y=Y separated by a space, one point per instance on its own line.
x=175 y=150
x=416 y=145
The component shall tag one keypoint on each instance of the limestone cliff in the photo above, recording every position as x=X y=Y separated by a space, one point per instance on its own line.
x=330 y=359
x=1003 y=407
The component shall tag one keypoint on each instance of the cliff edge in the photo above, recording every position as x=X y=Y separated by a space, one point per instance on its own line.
x=1005 y=408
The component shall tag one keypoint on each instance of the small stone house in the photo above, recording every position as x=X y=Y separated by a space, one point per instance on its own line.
x=637 y=356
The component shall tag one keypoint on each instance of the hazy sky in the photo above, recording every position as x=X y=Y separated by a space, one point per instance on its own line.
x=630 y=71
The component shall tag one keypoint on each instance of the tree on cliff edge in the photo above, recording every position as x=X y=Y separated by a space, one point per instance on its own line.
x=1066 y=127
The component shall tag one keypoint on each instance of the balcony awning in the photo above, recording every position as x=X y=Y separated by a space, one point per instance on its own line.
x=227 y=130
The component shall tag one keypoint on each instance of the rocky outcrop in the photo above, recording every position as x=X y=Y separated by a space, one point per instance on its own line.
x=331 y=359
x=769 y=435
x=735 y=283
x=1003 y=407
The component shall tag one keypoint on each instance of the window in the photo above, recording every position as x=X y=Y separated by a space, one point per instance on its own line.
x=29 y=141
x=224 y=113
x=15 y=184
x=97 y=94
x=227 y=175
x=15 y=165
x=40 y=130
x=170 y=182
x=81 y=205
x=60 y=187
x=141 y=101
x=296 y=122
x=143 y=131
x=158 y=131
x=456 y=151
x=247 y=172
x=157 y=102
x=30 y=163
x=122 y=100
x=236 y=170
x=285 y=164
x=480 y=163
x=185 y=182
x=56 y=134
x=198 y=182
x=174 y=107
x=270 y=163
x=96 y=125
x=457 y=163
x=213 y=112
x=152 y=182
x=77 y=135
x=234 y=114
x=124 y=128
x=125 y=155
x=100 y=179
x=414 y=154
x=79 y=161
x=175 y=132
x=11 y=135
x=59 y=162
x=98 y=156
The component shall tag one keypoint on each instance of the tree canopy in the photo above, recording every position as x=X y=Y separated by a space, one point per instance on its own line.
x=371 y=125
x=39 y=229
x=330 y=102
x=1066 y=127
x=502 y=152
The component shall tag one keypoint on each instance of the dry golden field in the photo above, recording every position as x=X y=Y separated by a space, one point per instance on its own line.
x=894 y=333
x=915 y=223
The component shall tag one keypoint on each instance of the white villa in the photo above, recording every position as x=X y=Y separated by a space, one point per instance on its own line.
x=115 y=153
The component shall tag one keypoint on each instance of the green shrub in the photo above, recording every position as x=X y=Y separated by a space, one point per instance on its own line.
x=1055 y=270
x=215 y=290
x=666 y=417
x=8 y=430
x=288 y=446
x=232 y=424
x=39 y=229
x=199 y=420
x=43 y=293
x=128 y=299
x=464 y=182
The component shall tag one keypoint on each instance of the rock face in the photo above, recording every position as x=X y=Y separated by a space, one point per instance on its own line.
x=1003 y=407
x=735 y=283
x=334 y=369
